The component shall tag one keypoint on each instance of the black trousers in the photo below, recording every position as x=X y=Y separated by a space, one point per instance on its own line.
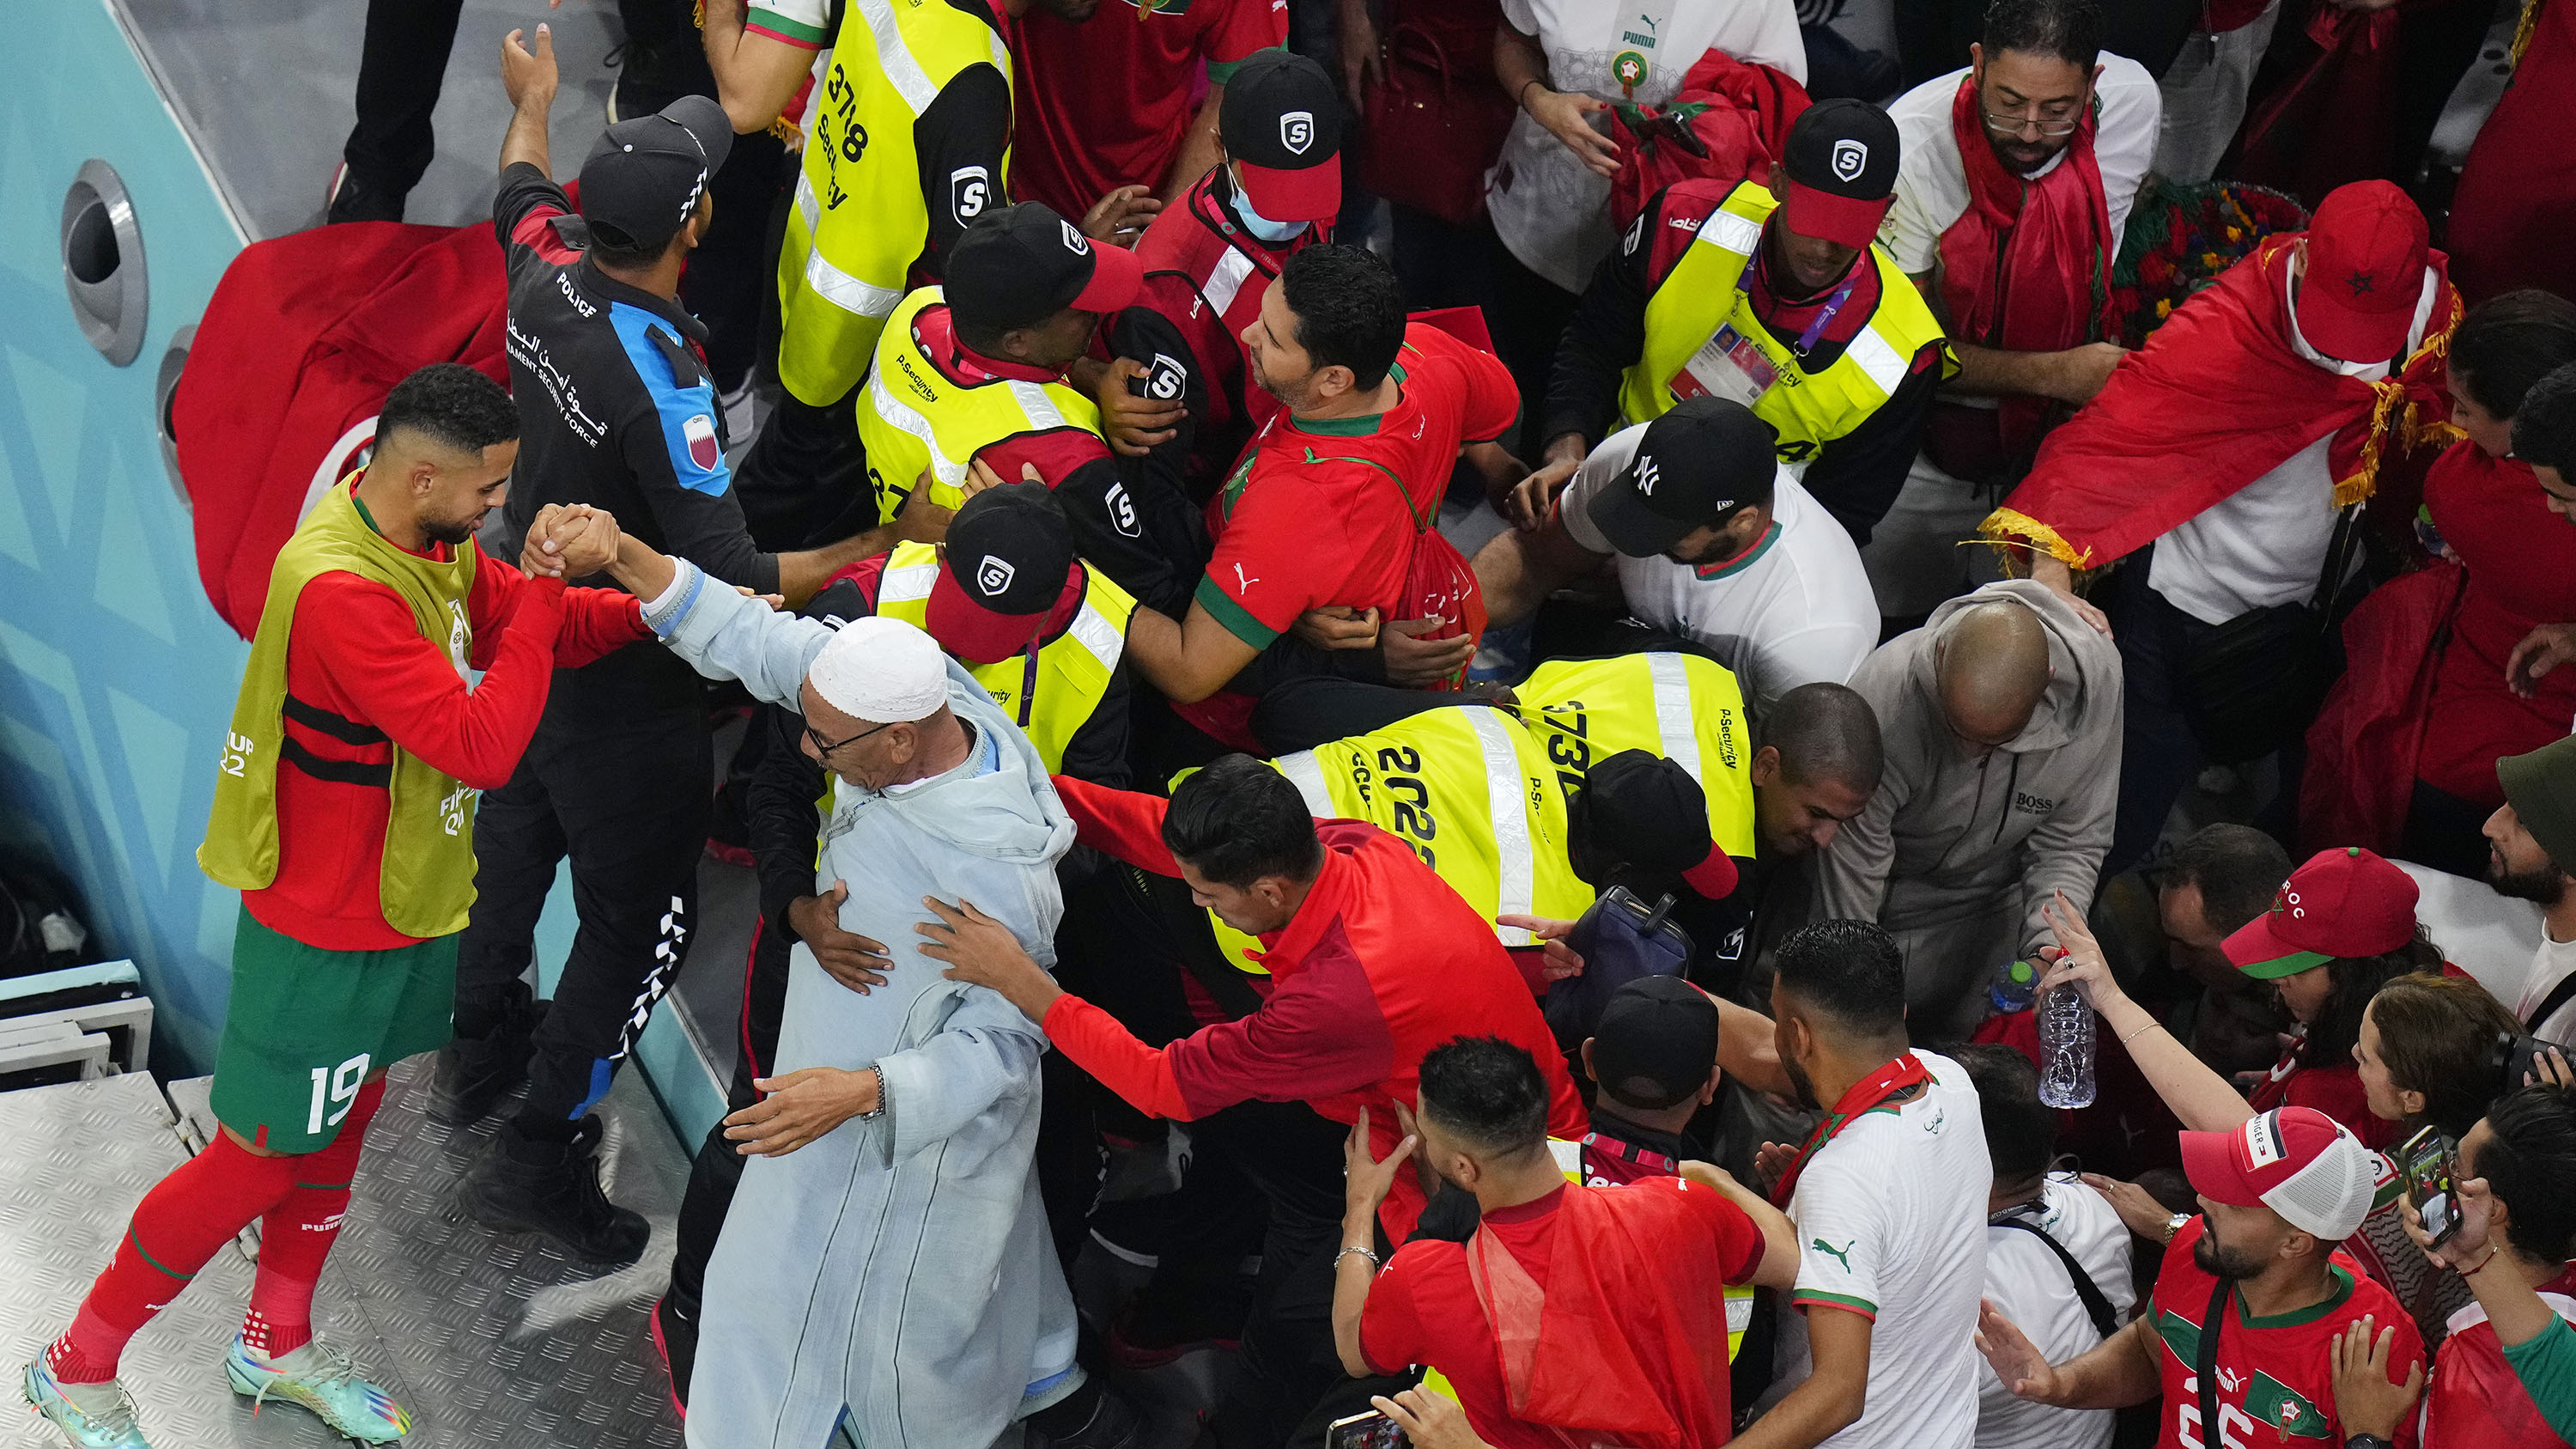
x=402 y=62
x=1293 y=1158
x=805 y=481
x=626 y=795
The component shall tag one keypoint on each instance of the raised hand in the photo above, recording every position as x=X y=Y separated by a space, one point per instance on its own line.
x=528 y=77
x=2015 y=1359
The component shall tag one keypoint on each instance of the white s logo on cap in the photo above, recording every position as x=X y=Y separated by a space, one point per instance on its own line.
x=1648 y=474
x=1074 y=241
x=1850 y=159
x=1297 y=131
x=993 y=575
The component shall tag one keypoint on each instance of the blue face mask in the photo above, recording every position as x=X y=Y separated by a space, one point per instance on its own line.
x=1262 y=226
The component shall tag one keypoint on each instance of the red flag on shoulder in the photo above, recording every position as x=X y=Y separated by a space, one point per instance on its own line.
x=1726 y=123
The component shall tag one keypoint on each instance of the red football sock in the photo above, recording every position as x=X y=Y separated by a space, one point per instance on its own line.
x=179 y=1225
x=296 y=1235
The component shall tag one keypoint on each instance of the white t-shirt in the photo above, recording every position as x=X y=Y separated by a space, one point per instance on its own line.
x=1891 y=1220
x=2031 y=1287
x=2266 y=543
x=2549 y=966
x=1547 y=206
x=1932 y=182
x=2487 y=935
x=1794 y=609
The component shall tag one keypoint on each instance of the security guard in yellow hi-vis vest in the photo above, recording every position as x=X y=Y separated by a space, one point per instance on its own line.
x=907 y=139
x=1785 y=306
x=975 y=370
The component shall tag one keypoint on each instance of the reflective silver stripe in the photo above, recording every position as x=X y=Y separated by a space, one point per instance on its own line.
x=903 y=585
x=843 y=290
x=1515 y=868
x=808 y=205
x=1307 y=774
x=1032 y=397
x=1876 y=359
x=1728 y=232
x=1673 y=723
x=1092 y=629
x=900 y=414
x=894 y=58
x=1568 y=1157
x=1232 y=270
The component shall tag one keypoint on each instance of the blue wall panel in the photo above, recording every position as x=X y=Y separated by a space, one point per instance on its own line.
x=116 y=678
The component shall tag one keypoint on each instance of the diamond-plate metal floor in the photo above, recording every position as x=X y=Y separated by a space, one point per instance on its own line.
x=490 y=1340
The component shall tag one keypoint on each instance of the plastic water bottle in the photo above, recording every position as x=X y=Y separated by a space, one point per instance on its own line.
x=2013 y=987
x=2065 y=1049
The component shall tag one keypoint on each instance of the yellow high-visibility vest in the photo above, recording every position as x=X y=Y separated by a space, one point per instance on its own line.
x=913 y=418
x=1677 y=707
x=860 y=219
x=1052 y=698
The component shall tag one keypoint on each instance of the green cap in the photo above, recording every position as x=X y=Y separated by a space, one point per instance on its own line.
x=2541 y=788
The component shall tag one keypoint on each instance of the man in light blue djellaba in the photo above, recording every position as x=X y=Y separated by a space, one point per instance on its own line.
x=885 y=1270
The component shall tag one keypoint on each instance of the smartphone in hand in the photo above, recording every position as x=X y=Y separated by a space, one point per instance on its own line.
x=2431 y=1164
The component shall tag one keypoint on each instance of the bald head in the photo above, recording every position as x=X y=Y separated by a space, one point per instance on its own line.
x=1991 y=667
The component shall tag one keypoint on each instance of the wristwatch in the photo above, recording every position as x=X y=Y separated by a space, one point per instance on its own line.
x=2365 y=1441
x=2173 y=1225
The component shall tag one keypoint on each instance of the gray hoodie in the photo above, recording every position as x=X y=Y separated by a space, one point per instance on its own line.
x=1948 y=830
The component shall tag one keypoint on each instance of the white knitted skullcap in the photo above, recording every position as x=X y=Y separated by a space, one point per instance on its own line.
x=881 y=670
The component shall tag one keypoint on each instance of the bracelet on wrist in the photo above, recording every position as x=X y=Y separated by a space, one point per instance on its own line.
x=1520 y=97
x=2492 y=1250
x=878 y=1110
x=2141 y=1031
x=1368 y=1253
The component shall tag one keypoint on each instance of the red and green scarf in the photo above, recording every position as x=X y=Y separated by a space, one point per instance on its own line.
x=1896 y=1079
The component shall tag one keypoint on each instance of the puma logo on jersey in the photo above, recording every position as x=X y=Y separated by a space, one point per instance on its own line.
x=1842 y=1254
x=1242 y=585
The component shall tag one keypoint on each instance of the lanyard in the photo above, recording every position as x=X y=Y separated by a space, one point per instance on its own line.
x=1631 y=1152
x=1824 y=317
x=1028 y=682
x=1901 y=1075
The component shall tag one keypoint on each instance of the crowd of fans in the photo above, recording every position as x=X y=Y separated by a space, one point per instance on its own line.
x=1493 y=804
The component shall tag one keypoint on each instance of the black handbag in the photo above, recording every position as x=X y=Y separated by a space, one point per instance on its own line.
x=1621 y=939
x=2252 y=684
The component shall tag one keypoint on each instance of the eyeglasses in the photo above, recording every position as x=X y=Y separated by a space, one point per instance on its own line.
x=823 y=748
x=2015 y=125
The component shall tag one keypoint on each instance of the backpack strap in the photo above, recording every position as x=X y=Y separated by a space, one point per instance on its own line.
x=2106 y=1320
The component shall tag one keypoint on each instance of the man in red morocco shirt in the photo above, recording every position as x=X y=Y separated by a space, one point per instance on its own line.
x=344 y=812
x=2261 y=1269
x=1104 y=101
x=1373 y=962
x=1643 y=1265
x=1339 y=489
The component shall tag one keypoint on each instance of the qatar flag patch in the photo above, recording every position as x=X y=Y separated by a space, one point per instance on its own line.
x=701 y=433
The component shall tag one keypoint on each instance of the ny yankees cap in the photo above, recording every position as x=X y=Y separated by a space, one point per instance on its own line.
x=2345 y=902
x=645 y=176
x=1655 y=1043
x=1009 y=559
x=1282 y=124
x=1841 y=160
x=1696 y=464
x=1650 y=813
x=2297 y=1161
x=2365 y=272
x=1019 y=265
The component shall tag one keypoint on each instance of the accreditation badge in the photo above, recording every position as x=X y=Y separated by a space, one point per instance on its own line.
x=1729 y=365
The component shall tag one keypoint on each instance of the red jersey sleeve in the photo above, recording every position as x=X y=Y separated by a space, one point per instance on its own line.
x=1121 y=823
x=1280 y=555
x=1247 y=26
x=366 y=639
x=1468 y=378
x=595 y=622
x=1391 y=1336
x=1319 y=1034
x=1739 y=1239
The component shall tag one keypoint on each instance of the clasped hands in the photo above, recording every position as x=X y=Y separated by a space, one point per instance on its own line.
x=569 y=541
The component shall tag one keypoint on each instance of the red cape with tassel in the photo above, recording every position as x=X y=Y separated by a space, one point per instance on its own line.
x=2216 y=399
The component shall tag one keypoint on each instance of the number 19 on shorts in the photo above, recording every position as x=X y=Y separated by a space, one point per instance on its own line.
x=335 y=1085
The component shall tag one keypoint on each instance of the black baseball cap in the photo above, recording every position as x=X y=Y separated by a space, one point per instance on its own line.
x=1019 y=265
x=645 y=176
x=1649 y=812
x=1009 y=560
x=1696 y=463
x=1841 y=159
x=1656 y=1043
x=1282 y=124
